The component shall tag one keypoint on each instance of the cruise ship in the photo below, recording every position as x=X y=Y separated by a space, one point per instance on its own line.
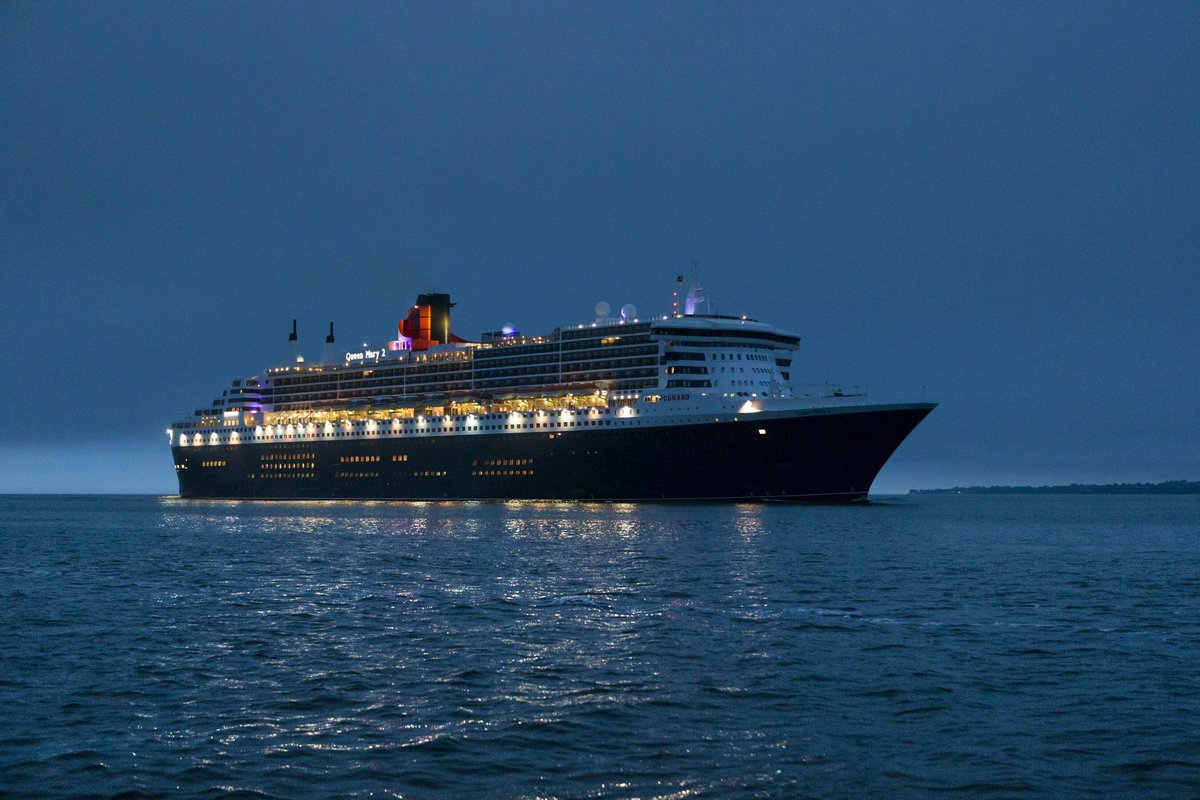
x=686 y=406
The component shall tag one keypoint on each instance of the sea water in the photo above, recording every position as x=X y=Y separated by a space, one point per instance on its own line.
x=975 y=646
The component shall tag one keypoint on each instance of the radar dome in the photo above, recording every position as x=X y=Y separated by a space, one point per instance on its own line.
x=603 y=309
x=628 y=311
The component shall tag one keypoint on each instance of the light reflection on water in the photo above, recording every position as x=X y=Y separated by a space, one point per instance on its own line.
x=599 y=650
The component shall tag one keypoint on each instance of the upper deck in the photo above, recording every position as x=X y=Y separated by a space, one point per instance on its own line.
x=605 y=361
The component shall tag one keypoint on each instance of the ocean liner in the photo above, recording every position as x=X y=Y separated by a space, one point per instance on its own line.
x=689 y=405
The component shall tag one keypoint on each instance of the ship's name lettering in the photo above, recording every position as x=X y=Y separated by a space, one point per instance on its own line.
x=669 y=397
x=363 y=355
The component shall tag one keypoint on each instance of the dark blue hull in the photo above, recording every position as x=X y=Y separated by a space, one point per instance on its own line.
x=824 y=455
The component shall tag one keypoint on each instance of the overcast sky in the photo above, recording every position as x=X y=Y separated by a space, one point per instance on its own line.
x=991 y=206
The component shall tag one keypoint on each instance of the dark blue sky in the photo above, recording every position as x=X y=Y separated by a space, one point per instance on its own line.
x=994 y=206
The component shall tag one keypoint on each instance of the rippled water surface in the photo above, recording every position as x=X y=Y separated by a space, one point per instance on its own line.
x=919 y=646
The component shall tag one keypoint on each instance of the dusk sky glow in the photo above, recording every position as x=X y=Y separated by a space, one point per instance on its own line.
x=991 y=206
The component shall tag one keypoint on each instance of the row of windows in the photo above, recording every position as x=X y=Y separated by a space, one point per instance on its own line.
x=629 y=331
x=391 y=375
x=317 y=387
x=496 y=415
x=285 y=456
x=623 y=378
x=517 y=369
x=724 y=345
x=792 y=341
x=504 y=462
x=637 y=355
x=588 y=337
x=386 y=425
x=369 y=388
x=369 y=378
x=497 y=472
x=518 y=382
x=312 y=465
x=440 y=428
x=586 y=353
x=748 y=357
x=580 y=423
x=430 y=473
x=213 y=464
x=358 y=474
x=266 y=476
x=519 y=361
x=613 y=375
x=519 y=351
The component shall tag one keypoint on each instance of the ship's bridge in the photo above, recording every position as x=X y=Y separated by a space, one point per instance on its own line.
x=735 y=357
x=709 y=328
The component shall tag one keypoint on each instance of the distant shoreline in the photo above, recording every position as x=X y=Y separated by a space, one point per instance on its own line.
x=1166 y=487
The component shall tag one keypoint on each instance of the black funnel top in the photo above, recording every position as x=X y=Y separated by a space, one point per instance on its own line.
x=439 y=315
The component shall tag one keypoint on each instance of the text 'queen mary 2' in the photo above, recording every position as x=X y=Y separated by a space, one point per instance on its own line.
x=687 y=406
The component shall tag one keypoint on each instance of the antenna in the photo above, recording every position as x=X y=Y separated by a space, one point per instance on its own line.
x=695 y=295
